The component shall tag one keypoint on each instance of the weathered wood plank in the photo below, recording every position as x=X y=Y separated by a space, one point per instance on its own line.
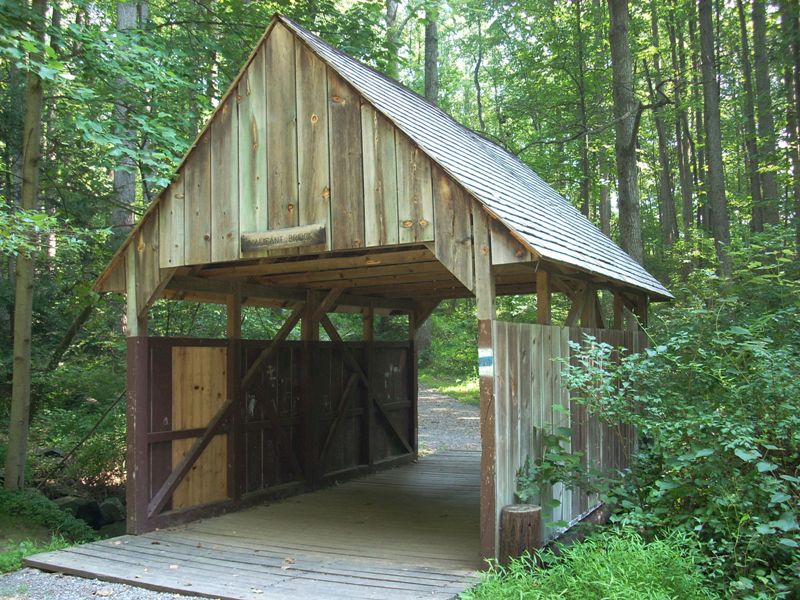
x=505 y=248
x=197 y=212
x=281 y=129
x=347 y=185
x=414 y=192
x=225 y=182
x=252 y=137
x=301 y=236
x=312 y=139
x=148 y=271
x=380 y=178
x=170 y=224
x=453 y=227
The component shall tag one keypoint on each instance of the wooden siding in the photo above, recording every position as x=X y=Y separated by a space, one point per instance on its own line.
x=199 y=388
x=527 y=387
x=307 y=419
x=295 y=144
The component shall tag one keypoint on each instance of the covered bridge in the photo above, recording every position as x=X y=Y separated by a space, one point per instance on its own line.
x=320 y=185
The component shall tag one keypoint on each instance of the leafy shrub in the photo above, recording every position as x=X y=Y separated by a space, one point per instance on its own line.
x=609 y=565
x=11 y=560
x=717 y=404
x=35 y=507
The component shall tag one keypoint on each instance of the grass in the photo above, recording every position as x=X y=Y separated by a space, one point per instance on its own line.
x=619 y=565
x=465 y=390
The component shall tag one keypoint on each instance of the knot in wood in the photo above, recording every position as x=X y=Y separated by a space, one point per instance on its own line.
x=314 y=119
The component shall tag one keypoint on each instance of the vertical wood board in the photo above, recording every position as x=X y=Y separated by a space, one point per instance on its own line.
x=281 y=130
x=225 y=182
x=199 y=388
x=453 y=227
x=347 y=178
x=170 y=224
x=380 y=178
x=197 y=211
x=414 y=192
x=252 y=140
x=312 y=139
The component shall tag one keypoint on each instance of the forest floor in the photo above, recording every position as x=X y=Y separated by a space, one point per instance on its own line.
x=444 y=424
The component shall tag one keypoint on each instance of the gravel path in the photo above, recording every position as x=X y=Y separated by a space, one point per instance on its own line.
x=444 y=424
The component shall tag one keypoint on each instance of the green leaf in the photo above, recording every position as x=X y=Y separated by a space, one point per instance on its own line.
x=765 y=529
x=764 y=466
x=787 y=522
x=789 y=543
x=747 y=455
x=703 y=452
x=779 y=497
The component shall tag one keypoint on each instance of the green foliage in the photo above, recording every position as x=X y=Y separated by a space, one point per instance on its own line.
x=557 y=464
x=716 y=404
x=615 y=564
x=11 y=559
x=34 y=507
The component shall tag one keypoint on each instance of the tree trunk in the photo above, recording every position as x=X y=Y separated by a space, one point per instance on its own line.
x=392 y=37
x=790 y=15
x=582 y=116
x=477 y=80
x=766 y=122
x=699 y=154
x=130 y=15
x=432 y=54
x=666 y=201
x=682 y=149
x=23 y=304
x=605 y=195
x=757 y=219
x=717 y=201
x=626 y=114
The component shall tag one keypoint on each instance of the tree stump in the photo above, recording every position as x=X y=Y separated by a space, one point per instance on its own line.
x=520 y=530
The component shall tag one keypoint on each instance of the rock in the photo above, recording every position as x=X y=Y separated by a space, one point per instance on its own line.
x=84 y=509
x=50 y=452
x=112 y=510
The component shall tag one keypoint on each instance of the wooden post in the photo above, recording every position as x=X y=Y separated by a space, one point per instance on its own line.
x=368 y=324
x=641 y=310
x=520 y=530
x=309 y=328
x=309 y=332
x=485 y=301
x=135 y=318
x=618 y=310
x=236 y=435
x=137 y=490
x=543 y=294
x=368 y=328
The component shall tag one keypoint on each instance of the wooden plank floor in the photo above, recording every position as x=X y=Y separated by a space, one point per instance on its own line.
x=409 y=532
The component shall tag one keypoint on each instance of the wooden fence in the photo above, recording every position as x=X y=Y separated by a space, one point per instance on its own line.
x=527 y=386
x=314 y=413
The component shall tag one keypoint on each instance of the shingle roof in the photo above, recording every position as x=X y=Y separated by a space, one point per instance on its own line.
x=508 y=188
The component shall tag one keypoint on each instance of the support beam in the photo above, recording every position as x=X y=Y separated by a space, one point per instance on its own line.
x=168 y=487
x=309 y=328
x=270 y=350
x=222 y=287
x=485 y=300
x=618 y=310
x=578 y=299
x=368 y=324
x=136 y=320
x=350 y=360
x=543 y=296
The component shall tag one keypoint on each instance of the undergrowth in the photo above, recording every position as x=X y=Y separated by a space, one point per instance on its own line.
x=615 y=564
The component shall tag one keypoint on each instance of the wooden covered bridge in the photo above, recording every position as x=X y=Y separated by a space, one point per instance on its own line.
x=320 y=185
